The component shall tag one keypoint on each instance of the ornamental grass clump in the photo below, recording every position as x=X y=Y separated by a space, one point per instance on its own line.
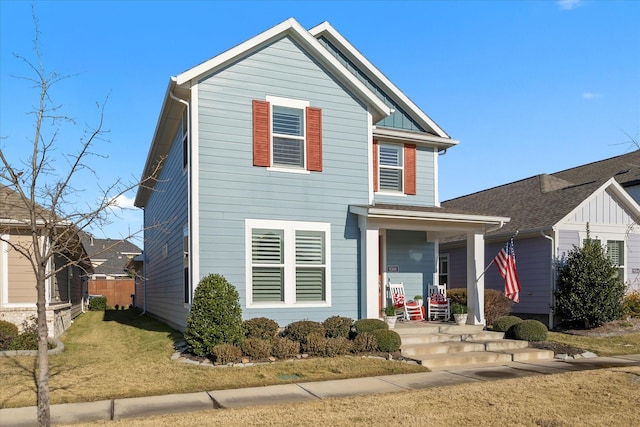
x=528 y=330
x=504 y=323
x=215 y=317
x=631 y=304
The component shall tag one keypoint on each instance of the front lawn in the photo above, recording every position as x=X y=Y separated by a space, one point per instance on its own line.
x=119 y=354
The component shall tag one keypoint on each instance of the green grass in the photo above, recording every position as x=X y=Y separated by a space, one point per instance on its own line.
x=119 y=354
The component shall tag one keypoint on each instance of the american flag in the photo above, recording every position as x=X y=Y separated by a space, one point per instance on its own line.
x=506 y=262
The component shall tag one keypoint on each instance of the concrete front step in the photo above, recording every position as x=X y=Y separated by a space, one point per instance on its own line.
x=462 y=346
x=438 y=361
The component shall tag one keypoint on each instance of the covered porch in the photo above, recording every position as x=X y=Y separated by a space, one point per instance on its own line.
x=400 y=243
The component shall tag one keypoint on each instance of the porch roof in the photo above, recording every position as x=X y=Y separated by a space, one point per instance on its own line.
x=440 y=222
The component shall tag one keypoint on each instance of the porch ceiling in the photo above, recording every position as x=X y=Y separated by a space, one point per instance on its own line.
x=437 y=221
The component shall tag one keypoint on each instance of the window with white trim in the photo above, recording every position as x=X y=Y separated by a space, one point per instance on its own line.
x=390 y=163
x=288 y=132
x=288 y=263
x=615 y=252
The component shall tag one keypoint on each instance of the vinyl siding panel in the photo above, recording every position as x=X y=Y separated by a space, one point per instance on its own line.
x=232 y=190
x=567 y=239
x=601 y=209
x=22 y=281
x=414 y=257
x=633 y=262
x=165 y=217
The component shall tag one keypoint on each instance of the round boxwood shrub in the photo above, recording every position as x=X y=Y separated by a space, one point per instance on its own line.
x=387 y=340
x=528 y=330
x=298 y=331
x=369 y=325
x=261 y=327
x=338 y=326
x=365 y=342
x=256 y=348
x=315 y=344
x=215 y=316
x=504 y=323
x=225 y=353
x=338 y=346
x=284 y=348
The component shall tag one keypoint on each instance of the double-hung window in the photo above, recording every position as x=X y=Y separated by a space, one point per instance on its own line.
x=288 y=263
x=287 y=135
x=615 y=252
x=391 y=167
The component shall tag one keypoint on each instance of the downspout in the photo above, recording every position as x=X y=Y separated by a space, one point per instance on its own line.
x=552 y=278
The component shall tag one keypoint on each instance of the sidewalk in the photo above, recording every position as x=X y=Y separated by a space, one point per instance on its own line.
x=300 y=392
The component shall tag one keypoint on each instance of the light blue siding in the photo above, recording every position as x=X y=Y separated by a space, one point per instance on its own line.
x=399 y=119
x=165 y=216
x=425 y=182
x=232 y=190
x=414 y=257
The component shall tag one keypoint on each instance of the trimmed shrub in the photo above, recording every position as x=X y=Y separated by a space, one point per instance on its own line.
x=284 y=348
x=338 y=326
x=8 y=331
x=28 y=338
x=337 y=346
x=299 y=331
x=98 y=304
x=528 y=330
x=365 y=342
x=496 y=305
x=589 y=291
x=387 y=340
x=215 y=316
x=315 y=344
x=225 y=353
x=631 y=304
x=256 y=348
x=458 y=296
x=261 y=327
x=504 y=323
x=369 y=325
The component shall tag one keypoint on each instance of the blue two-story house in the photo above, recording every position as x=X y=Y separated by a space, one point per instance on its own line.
x=296 y=169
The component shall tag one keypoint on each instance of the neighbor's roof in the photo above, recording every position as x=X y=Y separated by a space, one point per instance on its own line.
x=540 y=202
x=109 y=256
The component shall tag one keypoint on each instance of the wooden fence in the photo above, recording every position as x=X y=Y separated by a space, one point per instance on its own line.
x=118 y=291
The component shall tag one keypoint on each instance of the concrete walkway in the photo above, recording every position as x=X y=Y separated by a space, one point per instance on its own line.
x=301 y=392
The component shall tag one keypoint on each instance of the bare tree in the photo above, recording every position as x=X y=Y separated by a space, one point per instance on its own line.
x=40 y=196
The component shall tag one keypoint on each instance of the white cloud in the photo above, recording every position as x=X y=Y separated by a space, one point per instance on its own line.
x=123 y=202
x=590 y=95
x=568 y=4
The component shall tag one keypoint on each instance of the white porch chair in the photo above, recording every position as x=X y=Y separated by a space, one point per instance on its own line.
x=405 y=309
x=438 y=305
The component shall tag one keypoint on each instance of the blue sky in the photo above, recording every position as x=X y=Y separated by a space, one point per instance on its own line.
x=527 y=87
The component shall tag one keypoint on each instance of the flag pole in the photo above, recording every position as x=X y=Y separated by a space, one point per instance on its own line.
x=493 y=259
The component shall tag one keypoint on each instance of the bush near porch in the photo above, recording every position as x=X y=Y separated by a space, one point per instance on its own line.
x=496 y=304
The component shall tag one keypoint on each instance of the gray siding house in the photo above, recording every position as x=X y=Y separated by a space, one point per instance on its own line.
x=550 y=214
x=296 y=169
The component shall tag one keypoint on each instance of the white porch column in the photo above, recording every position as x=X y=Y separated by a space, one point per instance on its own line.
x=369 y=259
x=475 y=268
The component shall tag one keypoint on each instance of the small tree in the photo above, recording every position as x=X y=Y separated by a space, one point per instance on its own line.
x=215 y=317
x=589 y=289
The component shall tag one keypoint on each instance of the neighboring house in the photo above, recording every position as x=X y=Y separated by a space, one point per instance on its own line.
x=292 y=166
x=550 y=214
x=112 y=276
x=18 y=296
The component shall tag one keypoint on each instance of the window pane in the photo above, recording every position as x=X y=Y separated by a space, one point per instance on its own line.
x=287 y=121
x=288 y=152
x=267 y=246
x=390 y=156
x=615 y=251
x=391 y=179
x=309 y=247
x=310 y=284
x=268 y=284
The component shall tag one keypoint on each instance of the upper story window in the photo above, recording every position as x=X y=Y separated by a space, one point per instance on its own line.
x=394 y=168
x=287 y=134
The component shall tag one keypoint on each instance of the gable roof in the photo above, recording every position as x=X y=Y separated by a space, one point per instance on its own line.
x=541 y=201
x=109 y=256
x=326 y=31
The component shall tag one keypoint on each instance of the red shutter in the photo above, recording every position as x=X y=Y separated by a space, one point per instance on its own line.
x=409 y=169
x=375 y=164
x=261 y=133
x=314 y=139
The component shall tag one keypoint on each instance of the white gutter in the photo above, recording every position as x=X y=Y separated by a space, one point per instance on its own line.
x=552 y=283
